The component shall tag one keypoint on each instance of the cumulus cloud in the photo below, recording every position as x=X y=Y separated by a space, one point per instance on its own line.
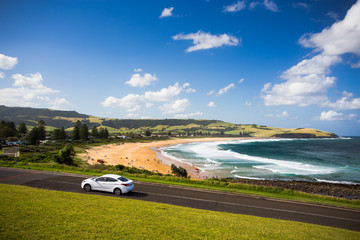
x=188 y=115
x=202 y=40
x=335 y=116
x=137 y=80
x=6 y=62
x=133 y=102
x=167 y=12
x=345 y=103
x=2 y=75
x=175 y=107
x=308 y=82
x=235 y=7
x=225 y=89
x=211 y=104
x=29 y=90
x=137 y=70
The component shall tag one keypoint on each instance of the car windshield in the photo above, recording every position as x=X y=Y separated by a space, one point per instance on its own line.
x=123 y=179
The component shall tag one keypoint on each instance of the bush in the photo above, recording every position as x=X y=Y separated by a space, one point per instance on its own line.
x=178 y=171
x=66 y=155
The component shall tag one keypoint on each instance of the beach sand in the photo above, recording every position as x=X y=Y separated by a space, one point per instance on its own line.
x=145 y=155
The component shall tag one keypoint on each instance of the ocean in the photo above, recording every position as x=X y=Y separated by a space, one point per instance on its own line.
x=316 y=160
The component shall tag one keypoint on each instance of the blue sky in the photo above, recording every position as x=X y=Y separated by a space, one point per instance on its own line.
x=270 y=62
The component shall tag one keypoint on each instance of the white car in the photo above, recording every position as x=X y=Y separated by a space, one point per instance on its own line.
x=108 y=183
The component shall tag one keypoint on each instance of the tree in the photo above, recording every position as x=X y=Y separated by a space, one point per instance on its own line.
x=41 y=130
x=94 y=132
x=33 y=136
x=84 y=132
x=147 y=133
x=103 y=133
x=58 y=134
x=7 y=129
x=22 y=129
x=76 y=131
x=66 y=155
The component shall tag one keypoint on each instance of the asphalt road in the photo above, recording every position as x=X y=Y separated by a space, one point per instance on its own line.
x=197 y=198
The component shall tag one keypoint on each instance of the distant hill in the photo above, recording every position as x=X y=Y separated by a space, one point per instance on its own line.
x=66 y=119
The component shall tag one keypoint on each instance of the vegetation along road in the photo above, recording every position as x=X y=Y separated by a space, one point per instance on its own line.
x=197 y=198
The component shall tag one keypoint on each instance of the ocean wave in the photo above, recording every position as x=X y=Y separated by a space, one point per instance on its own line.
x=337 y=182
x=208 y=151
x=251 y=178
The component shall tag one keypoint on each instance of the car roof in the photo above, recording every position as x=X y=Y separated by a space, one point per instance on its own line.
x=111 y=175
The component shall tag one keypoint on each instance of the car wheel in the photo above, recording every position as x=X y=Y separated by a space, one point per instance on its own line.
x=117 y=191
x=87 y=187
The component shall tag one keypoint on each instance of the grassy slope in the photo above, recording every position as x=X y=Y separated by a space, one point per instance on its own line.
x=45 y=214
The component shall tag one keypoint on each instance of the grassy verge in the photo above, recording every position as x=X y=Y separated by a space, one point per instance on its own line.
x=214 y=184
x=45 y=214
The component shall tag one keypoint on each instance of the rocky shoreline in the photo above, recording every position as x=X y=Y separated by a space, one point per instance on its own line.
x=348 y=191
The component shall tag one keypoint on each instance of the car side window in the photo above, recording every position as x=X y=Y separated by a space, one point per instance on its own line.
x=100 y=179
x=111 y=180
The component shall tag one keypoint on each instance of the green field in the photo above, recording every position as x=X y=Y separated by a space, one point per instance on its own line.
x=29 y=213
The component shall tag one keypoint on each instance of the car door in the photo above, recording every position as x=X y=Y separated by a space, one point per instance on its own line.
x=99 y=184
x=111 y=184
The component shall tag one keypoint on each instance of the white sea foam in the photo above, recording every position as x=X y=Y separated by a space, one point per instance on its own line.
x=251 y=178
x=211 y=151
x=338 y=182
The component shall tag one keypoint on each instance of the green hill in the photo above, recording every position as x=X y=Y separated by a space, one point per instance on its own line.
x=66 y=119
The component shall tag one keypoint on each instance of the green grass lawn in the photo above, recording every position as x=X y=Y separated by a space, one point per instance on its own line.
x=29 y=213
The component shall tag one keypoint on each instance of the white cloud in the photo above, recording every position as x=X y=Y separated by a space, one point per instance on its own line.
x=165 y=94
x=248 y=104
x=271 y=5
x=335 y=116
x=225 y=89
x=210 y=92
x=137 y=80
x=137 y=70
x=241 y=80
x=235 y=7
x=187 y=88
x=308 y=82
x=133 y=102
x=342 y=37
x=149 y=105
x=2 y=75
x=345 y=103
x=355 y=65
x=29 y=90
x=6 y=62
x=283 y=114
x=167 y=12
x=202 y=40
x=211 y=104
x=129 y=102
x=188 y=115
x=175 y=107
x=132 y=115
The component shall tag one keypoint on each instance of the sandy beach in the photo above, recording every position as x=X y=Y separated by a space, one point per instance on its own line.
x=145 y=155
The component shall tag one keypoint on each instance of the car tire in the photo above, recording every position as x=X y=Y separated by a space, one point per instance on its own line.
x=87 y=187
x=117 y=191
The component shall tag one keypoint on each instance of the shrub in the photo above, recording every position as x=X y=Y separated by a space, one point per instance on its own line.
x=178 y=171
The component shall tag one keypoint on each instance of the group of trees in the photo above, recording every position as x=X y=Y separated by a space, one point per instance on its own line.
x=38 y=133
